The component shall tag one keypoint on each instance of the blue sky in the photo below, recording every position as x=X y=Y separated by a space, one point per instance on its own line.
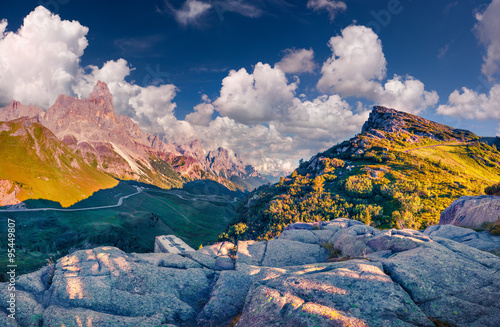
x=163 y=58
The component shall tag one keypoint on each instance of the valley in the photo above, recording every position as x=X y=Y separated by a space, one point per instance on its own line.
x=121 y=216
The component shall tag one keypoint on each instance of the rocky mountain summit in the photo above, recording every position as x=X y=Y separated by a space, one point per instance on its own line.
x=389 y=120
x=115 y=145
x=335 y=273
x=400 y=171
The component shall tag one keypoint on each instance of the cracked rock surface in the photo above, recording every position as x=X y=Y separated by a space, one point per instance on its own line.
x=373 y=278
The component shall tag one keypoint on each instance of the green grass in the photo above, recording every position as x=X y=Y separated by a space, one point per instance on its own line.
x=197 y=219
x=414 y=183
x=40 y=165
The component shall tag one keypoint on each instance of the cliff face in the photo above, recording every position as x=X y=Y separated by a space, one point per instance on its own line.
x=115 y=144
x=36 y=164
x=340 y=272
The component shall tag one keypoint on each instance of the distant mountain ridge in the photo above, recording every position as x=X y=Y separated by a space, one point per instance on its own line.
x=114 y=144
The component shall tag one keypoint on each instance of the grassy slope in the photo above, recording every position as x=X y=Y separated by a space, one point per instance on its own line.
x=40 y=175
x=197 y=219
x=394 y=183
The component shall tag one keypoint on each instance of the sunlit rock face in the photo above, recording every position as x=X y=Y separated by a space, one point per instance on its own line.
x=116 y=145
x=335 y=273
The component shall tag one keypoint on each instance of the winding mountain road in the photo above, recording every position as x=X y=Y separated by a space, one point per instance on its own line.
x=120 y=202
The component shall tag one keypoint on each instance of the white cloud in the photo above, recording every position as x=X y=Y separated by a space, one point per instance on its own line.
x=406 y=94
x=297 y=61
x=358 y=62
x=40 y=60
x=3 y=27
x=257 y=97
x=488 y=32
x=263 y=120
x=358 y=68
x=469 y=104
x=331 y=6
x=190 y=11
x=238 y=6
x=152 y=107
x=202 y=115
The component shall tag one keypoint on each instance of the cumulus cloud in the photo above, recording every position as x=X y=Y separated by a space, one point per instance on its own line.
x=202 y=115
x=358 y=62
x=257 y=97
x=488 y=32
x=269 y=125
x=258 y=112
x=40 y=60
x=407 y=94
x=3 y=27
x=152 y=106
x=358 y=68
x=331 y=6
x=190 y=11
x=469 y=104
x=297 y=61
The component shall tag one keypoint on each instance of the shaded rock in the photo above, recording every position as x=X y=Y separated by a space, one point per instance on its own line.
x=324 y=235
x=169 y=260
x=28 y=310
x=250 y=252
x=352 y=293
x=478 y=240
x=281 y=253
x=57 y=317
x=352 y=241
x=217 y=256
x=6 y=321
x=340 y=223
x=108 y=280
x=397 y=240
x=448 y=284
x=226 y=300
x=472 y=211
x=300 y=235
x=36 y=282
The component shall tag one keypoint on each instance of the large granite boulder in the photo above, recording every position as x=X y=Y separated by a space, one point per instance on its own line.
x=472 y=211
x=479 y=240
x=379 y=278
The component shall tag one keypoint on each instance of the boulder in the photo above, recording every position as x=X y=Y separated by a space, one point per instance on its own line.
x=450 y=284
x=250 y=252
x=227 y=299
x=383 y=278
x=57 y=316
x=281 y=253
x=108 y=280
x=472 y=211
x=479 y=240
x=352 y=293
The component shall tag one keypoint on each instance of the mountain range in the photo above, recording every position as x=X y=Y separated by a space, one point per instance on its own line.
x=400 y=171
x=106 y=144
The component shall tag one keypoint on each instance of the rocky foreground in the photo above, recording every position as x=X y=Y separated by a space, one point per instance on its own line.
x=338 y=273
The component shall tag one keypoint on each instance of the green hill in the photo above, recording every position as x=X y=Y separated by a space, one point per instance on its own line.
x=400 y=171
x=39 y=166
x=195 y=217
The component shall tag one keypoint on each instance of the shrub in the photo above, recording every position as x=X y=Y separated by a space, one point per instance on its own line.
x=493 y=189
x=359 y=186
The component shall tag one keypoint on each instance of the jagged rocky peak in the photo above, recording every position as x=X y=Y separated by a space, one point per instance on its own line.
x=392 y=121
x=99 y=105
x=102 y=97
x=16 y=110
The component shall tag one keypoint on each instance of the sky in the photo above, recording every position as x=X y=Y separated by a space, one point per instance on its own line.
x=273 y=80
